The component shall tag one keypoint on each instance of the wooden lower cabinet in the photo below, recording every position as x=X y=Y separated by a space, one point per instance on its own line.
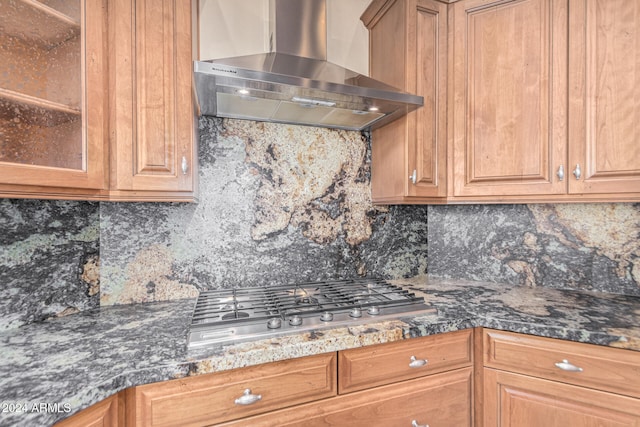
x=438 y=400
x=514 y=400
x=108 y=413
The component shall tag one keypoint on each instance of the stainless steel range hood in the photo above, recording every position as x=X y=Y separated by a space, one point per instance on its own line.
x=294 y=83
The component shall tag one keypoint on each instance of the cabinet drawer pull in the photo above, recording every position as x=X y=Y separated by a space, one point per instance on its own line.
x=414 y=177
x=561 y=173
x=247 y=398
x=577 y=172
x=414 y=423
x=417 y=363
x=185 y=166
x=569 y=367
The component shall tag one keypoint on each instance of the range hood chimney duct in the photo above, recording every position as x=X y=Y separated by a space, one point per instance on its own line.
x=294 y=83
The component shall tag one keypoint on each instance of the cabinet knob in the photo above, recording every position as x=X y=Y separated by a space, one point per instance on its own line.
x=417 y=363
x=247 y=398
x=414 y=423
x=569 y=367
x=577 y=172
x=414 y=177
x=185 y=165
x=561 y=173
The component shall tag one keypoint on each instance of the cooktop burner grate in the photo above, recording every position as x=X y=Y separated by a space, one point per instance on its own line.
x=247 y=313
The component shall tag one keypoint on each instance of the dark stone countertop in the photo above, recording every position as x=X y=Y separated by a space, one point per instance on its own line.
x=78 y=360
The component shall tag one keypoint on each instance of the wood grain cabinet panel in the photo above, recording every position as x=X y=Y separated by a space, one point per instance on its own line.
x=152 y=110
x=514 y=400
x=534 y=381
x=107 y=413
x=210 y=399
x=372 y=366
x=408 y=50
x=598 y=367
x=604 y=69
x=439 y=400
x=510 y=97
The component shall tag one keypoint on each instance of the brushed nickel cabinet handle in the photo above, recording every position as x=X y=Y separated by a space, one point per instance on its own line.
x=577 y=172
x=569 y=367
x=414 y=177
x=561 y=173
x=414 y=423
x=247 y=398
x=417 y=363
x=185 y=165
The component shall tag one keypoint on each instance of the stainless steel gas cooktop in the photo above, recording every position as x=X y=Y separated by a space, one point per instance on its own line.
x=243 y=314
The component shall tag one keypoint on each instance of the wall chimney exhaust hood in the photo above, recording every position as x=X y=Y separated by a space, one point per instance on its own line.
x=294 y=83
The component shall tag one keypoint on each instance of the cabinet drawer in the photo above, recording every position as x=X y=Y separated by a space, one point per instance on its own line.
x=439 y=400
x=210 y=399
x=599 y=367
x=388 y=363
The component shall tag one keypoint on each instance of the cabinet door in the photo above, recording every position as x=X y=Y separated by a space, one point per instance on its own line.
x=438 y=400
x=108 y=413
x=409 y=51
x=604 y=70
x=152 y=146
x=520 y=401
x=53 y=80
x=510 y=97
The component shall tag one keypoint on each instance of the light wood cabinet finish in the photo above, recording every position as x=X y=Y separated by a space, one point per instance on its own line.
x=439 y=400
x=510 y=97
x=513 y=400
x=53 y=113
x=408 y=50
x=152 y=110
x=372 y=366
x=108 y=413
x=524 y=383
x=210 y=399
x=536 y=91
x=604 y=70
x=104 y=108
x=602 y=368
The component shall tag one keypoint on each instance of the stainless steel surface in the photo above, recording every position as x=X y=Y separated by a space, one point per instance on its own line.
x=417 y=363
x=235 y=315
x=577 y=172
x=294 y=83
x=561 y=172
x=569 y=367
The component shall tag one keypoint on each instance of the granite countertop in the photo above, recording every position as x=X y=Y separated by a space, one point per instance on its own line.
x=78 y=360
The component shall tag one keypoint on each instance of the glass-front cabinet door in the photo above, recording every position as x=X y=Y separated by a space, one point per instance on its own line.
x=53 y=92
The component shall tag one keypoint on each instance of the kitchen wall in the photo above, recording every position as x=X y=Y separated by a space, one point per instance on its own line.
x=593 y=247
x=285 y=203
x=278 y=204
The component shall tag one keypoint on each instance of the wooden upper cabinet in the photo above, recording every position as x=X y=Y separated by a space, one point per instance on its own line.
x=408 y=50
x=53 y=76
x=152 y=112
x=510 y=97
x=604 y=69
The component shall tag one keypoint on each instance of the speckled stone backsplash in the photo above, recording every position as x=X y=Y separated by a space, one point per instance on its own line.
x=49 y=259
x=278 y=204
x=588 y=247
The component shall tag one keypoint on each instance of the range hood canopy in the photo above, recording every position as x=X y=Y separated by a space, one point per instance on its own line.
x=294 y=83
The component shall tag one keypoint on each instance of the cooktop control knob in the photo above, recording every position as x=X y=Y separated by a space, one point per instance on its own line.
x=295 y=321
x=274 y=323
x=356 y=312
x=374 y=310
x=326 y=317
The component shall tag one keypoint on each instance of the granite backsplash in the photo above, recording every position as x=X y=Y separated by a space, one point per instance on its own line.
x=283 y=203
